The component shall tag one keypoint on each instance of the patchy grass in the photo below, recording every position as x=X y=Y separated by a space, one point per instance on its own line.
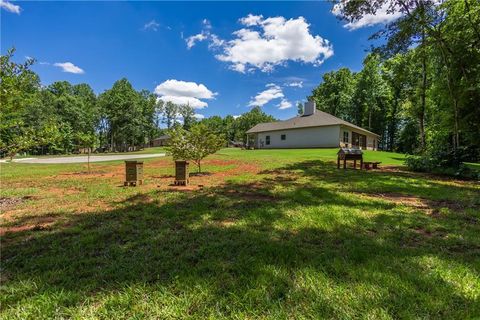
x=271 y=234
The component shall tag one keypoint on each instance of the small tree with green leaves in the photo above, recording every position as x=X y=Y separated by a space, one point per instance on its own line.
x=194 y=145
x=87 y=140
x=21 y=142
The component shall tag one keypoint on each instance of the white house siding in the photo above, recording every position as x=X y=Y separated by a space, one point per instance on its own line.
x=371 y=140
x=315 y=137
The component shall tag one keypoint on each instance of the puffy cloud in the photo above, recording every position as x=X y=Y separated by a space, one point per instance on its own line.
x=381 y=16
x=152 y=25
x=10 y=7
x=284 y=104
x=199 y=116
x=184 y=89
x=251 y=20
x=235 y=116
x=69 y=67
x=264 y=97
x=192 y=102
x=267 y=43
x=183 y=92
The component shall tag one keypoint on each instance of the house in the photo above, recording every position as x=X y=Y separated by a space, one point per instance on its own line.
x=160 y=141
x=314 y=129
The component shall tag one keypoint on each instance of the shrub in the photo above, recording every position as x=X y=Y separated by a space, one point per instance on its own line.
x=446 y=166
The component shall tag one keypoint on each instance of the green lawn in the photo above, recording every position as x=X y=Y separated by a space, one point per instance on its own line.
x=274 y=234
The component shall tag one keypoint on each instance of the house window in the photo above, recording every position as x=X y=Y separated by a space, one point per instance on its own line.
x=283 y=137
x=345 y=136
x=267 y=140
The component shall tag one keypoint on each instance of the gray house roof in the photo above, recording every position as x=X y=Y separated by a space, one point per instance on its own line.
x=164 y=137
x=318 y=119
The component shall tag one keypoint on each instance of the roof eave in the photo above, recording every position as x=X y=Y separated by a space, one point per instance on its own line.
x=360 y=129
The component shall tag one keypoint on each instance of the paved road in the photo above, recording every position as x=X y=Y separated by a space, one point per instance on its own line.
x=83 y=159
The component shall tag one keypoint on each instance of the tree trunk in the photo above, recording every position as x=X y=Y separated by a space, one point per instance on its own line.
x=88 y=160
x=199 y=166
x=370 y=118
x=423 y=96
x=111 y=142
x=456 y=135
x=393 y=126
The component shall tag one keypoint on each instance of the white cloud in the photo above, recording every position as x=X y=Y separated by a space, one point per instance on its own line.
x=184 y=89
x=10 y=7
x=298 y=84
x=207 y=23
x=251 y=20
x=284 y=104
x=199 y=116
x=192 y=102
x=206 y=34
x=235 y=116
x=69 y=67
x=381 y=16
x=196 y=38
x=267 y=43
x=152 y=25
x=215 y=41
x=264 y=97
x=183 y=92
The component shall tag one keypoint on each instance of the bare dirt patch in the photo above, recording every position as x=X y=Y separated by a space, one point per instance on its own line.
x=228 y=169
x=188 y=188
x=7 y=203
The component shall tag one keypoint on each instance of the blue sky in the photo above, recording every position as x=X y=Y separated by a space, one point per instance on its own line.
x=282 y=50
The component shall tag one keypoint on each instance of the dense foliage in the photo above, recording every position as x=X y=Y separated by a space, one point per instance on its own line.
x=234 y=128
x=420 y=90
x=66 y=118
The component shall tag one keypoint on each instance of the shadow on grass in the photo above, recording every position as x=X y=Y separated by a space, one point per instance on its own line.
x=249 y=247
x=384 y=181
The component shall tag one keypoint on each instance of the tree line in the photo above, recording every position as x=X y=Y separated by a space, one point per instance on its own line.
x=420 y=90
x=62 y=118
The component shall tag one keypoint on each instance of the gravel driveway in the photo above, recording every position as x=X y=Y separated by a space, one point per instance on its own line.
x=83 y=159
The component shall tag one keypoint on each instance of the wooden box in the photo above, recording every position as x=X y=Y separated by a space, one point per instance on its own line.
x=133 y=172
x=349 y=154
x=182 y=173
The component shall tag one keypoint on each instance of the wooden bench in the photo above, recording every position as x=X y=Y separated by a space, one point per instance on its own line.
x=370 y=165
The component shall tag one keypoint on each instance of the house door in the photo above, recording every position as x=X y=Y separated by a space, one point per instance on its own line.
x=359 y=140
